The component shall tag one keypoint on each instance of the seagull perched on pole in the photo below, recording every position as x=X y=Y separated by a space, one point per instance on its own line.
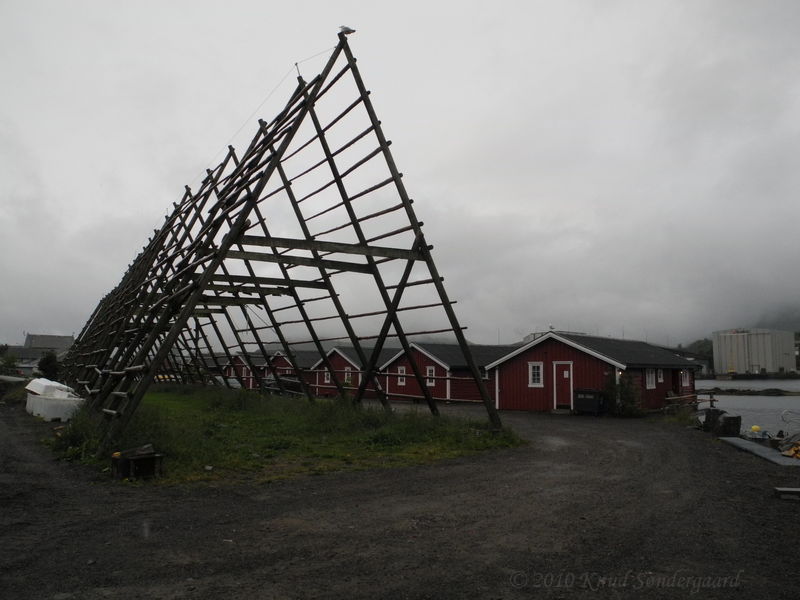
x=346 y=30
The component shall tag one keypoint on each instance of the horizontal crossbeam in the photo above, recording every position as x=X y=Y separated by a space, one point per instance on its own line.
x=333 y=247
x=288 y=259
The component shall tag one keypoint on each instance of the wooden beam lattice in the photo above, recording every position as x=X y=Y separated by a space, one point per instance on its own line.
x=308 y=236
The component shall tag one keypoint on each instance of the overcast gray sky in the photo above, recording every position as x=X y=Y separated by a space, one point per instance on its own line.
x=621 y=168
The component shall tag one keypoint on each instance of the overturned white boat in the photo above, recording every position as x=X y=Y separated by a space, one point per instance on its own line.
x=51 y=400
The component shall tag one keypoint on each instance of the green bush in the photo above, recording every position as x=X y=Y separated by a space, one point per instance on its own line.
x=48 y=366
x=8 y=364
x=80 y=439
x=623 y=398
x=13 y=393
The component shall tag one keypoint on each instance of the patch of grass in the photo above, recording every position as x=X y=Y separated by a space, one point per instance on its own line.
x=79 y=440
x=682 y=415
x=242 y=434
x=13 y=393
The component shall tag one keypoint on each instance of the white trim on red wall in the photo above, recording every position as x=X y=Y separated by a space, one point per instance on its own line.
x=496 y=388
x=571 y=382
x=531 y=366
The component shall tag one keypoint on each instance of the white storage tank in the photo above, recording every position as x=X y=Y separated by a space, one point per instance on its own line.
x=753 y=351
x=51 y=400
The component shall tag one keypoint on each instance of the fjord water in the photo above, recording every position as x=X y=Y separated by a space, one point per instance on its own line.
x=764 y=411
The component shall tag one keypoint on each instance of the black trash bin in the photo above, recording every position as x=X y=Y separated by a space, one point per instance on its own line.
x=588 y=401
x=728 y=426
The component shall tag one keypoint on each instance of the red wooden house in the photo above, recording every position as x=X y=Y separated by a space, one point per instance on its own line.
x=546 y=373
x=249 y=370
x=347 y=368
x=444 y=370
x=290 y=378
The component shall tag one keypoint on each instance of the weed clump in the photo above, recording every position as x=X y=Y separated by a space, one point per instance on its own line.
x=80 y=439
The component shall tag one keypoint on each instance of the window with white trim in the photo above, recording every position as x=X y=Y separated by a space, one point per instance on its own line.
x=661 y=376
x=401 y=371
x=430 y=372
x=685 y=380
x=348 y=374
x=536 y=374
x=327 y=378
x=650 y=379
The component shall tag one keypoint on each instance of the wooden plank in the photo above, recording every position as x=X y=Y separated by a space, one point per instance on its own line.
x=286 y=259
x=418 y=282
x=249 y=290
x=397 y=231
x=227 y=301
x=333 y=247
x=290 y=283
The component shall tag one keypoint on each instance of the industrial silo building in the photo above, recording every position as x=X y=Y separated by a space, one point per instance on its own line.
x=753 y=351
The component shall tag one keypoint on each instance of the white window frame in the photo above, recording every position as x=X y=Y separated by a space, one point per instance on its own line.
x=327 y=377
x=401 y=380
x=430 y=371
x=685 y=380
x=650 y=379
x=348 y=375
x=532 y=381
x=660 y=375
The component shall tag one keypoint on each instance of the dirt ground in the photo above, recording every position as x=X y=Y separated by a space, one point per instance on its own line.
x=591 y=508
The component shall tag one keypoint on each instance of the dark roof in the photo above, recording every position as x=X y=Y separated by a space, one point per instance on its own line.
x=631 y=353
x=255 y=358
x=453 y=357
x=305 y=358
x=687 y=354
x=24 y=353
x=350 y=353
x=207 y=359
x=49 y=342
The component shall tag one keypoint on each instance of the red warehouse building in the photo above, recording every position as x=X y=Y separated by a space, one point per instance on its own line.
x=545 y=373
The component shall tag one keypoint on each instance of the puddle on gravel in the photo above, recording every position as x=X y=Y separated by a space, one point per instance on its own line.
x=629 y=443
x=552 y=441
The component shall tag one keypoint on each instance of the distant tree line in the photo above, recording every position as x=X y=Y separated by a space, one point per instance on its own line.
x=704 y=347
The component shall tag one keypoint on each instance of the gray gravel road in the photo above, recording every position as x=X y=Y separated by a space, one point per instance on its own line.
x=591 y=508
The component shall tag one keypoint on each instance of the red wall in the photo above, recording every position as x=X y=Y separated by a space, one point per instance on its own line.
x=284 y=368
x=463 y=386
x=587 y=372
x=339 y=364
x=239 y=369
x=282 y=365
x=411 y=388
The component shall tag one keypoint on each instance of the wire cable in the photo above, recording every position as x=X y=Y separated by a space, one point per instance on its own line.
x=255 y=111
